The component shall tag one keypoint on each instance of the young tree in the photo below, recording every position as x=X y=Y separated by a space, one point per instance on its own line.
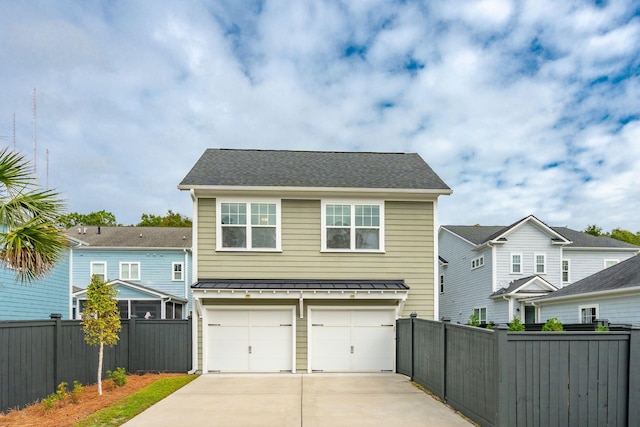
x=171 y=219
x=30 y=241
x=101 y=319
x=94 y=218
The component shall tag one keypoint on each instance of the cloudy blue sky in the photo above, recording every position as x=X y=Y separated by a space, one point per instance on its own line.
x=522 y=107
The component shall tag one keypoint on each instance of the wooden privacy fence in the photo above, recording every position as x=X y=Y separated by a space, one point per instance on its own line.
x=36 y=356
x=501 y=378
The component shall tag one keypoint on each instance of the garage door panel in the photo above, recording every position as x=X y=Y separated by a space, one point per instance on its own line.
x=331 y=349
x=271 y=349
x=270 y=318
x=332 y=317
x=373 y=348
x=228 y=348
x=372 y=318
x=229 y=317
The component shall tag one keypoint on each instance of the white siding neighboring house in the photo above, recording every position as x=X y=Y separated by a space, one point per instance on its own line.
x=496 y=271
x=612 y=294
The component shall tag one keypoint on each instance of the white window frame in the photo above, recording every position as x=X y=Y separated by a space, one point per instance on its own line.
x=352 y=226
x=477 y=311
x=173 y=271
x=511 y=263
x=129 y=263
x=563 y=271
x=544 y=263
x=249 y=226
x=611 y=262
x=91 y=268
x=588 y=306
x=477 y=262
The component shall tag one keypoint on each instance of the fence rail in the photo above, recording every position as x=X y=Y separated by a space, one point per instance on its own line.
x=500 y=378
x=36 y=356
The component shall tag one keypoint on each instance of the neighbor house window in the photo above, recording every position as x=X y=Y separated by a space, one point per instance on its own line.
x=99 y=268
x=353 y=226
x=565 y=271
x=610 y=262
x=588 y=314
x=516 y=263
x=541 y=263
x=130 y=271
x=442 y=283
x=246 y=226
x=481 y=313
x=477 y=262
x=177 y=268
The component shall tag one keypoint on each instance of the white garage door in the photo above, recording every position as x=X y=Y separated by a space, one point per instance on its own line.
x=250 y=340
x=352 y=340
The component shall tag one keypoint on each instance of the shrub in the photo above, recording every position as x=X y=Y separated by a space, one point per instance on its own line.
x=119 y=376
x=516 y=325
x=61 y=393
x=76 y=393
x=601 y=328
x=474 y=320
x=553 y=325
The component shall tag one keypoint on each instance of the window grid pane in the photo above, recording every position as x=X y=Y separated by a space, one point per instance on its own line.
x=338 y=215
x=233 y=213
x=367 y=216
x=263 y=214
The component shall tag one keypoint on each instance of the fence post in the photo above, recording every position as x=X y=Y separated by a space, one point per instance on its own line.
x=633 y=411
x=501 y=374
x=57 y=346
x=131 y=351
x=413 y=316
x=443 y=372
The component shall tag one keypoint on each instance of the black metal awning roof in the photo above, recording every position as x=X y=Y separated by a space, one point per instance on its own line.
x=301 y=284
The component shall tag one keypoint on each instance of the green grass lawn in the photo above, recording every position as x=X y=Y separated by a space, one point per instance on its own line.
x=127 y=408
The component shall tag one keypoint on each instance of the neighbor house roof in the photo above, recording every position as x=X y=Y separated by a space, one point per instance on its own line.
x=300 y=284
x=480 y=234
x=131 y=237
x=522 y=287
x=312 y=169
x=79 y=292
x=618 y=278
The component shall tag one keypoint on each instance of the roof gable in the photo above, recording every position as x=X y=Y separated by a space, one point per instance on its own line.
x=526 y=287
x=312 y=169
x=128 y=290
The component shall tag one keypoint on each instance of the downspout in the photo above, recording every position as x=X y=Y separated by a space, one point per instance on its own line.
x=186 y=279
x=504 y=297
x=194 y=336
x=71 y=284
x=436 y=264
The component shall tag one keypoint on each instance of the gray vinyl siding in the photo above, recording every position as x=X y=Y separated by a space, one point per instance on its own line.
x=408 y=253
x=528 y=241
x=465 y=288
x=583 y=263
x=618 y=309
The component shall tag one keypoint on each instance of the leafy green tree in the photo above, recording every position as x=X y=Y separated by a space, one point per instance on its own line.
x=94 y=218
x=625 y=236
x=594 y=230
x=516 y=325
x=30 y=242
x=553 y=325
x=101 y=319
x=171 y=219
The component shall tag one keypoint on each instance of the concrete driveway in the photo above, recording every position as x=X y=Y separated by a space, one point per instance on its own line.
x=299 y=400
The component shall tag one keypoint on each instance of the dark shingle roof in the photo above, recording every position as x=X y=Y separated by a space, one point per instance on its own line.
x=301 y=284
x=625 y=274
x=271 y=168
x=479 y=234
x=133 y=237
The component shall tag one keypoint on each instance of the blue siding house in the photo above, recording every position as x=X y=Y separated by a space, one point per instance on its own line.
x=150 y=267
x=38 y=299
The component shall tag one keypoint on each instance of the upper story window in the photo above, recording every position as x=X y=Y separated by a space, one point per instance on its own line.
x=248 y=225
x=541 y=263
x=352 y=226
x=477 y=262
x=610 y=262
x=177 y=271
x=129 y=271
x=481 y=314
x=99 y=268
x=565 y=271
x=516 y=263
x=442 y=283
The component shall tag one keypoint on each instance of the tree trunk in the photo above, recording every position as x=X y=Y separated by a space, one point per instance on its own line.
x=100 y=369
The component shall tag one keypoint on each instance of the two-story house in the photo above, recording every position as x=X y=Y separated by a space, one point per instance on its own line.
x=495 y=272
x=150 y=267
x=303 y=260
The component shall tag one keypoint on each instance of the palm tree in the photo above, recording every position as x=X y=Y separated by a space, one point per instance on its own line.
x=30 y=241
